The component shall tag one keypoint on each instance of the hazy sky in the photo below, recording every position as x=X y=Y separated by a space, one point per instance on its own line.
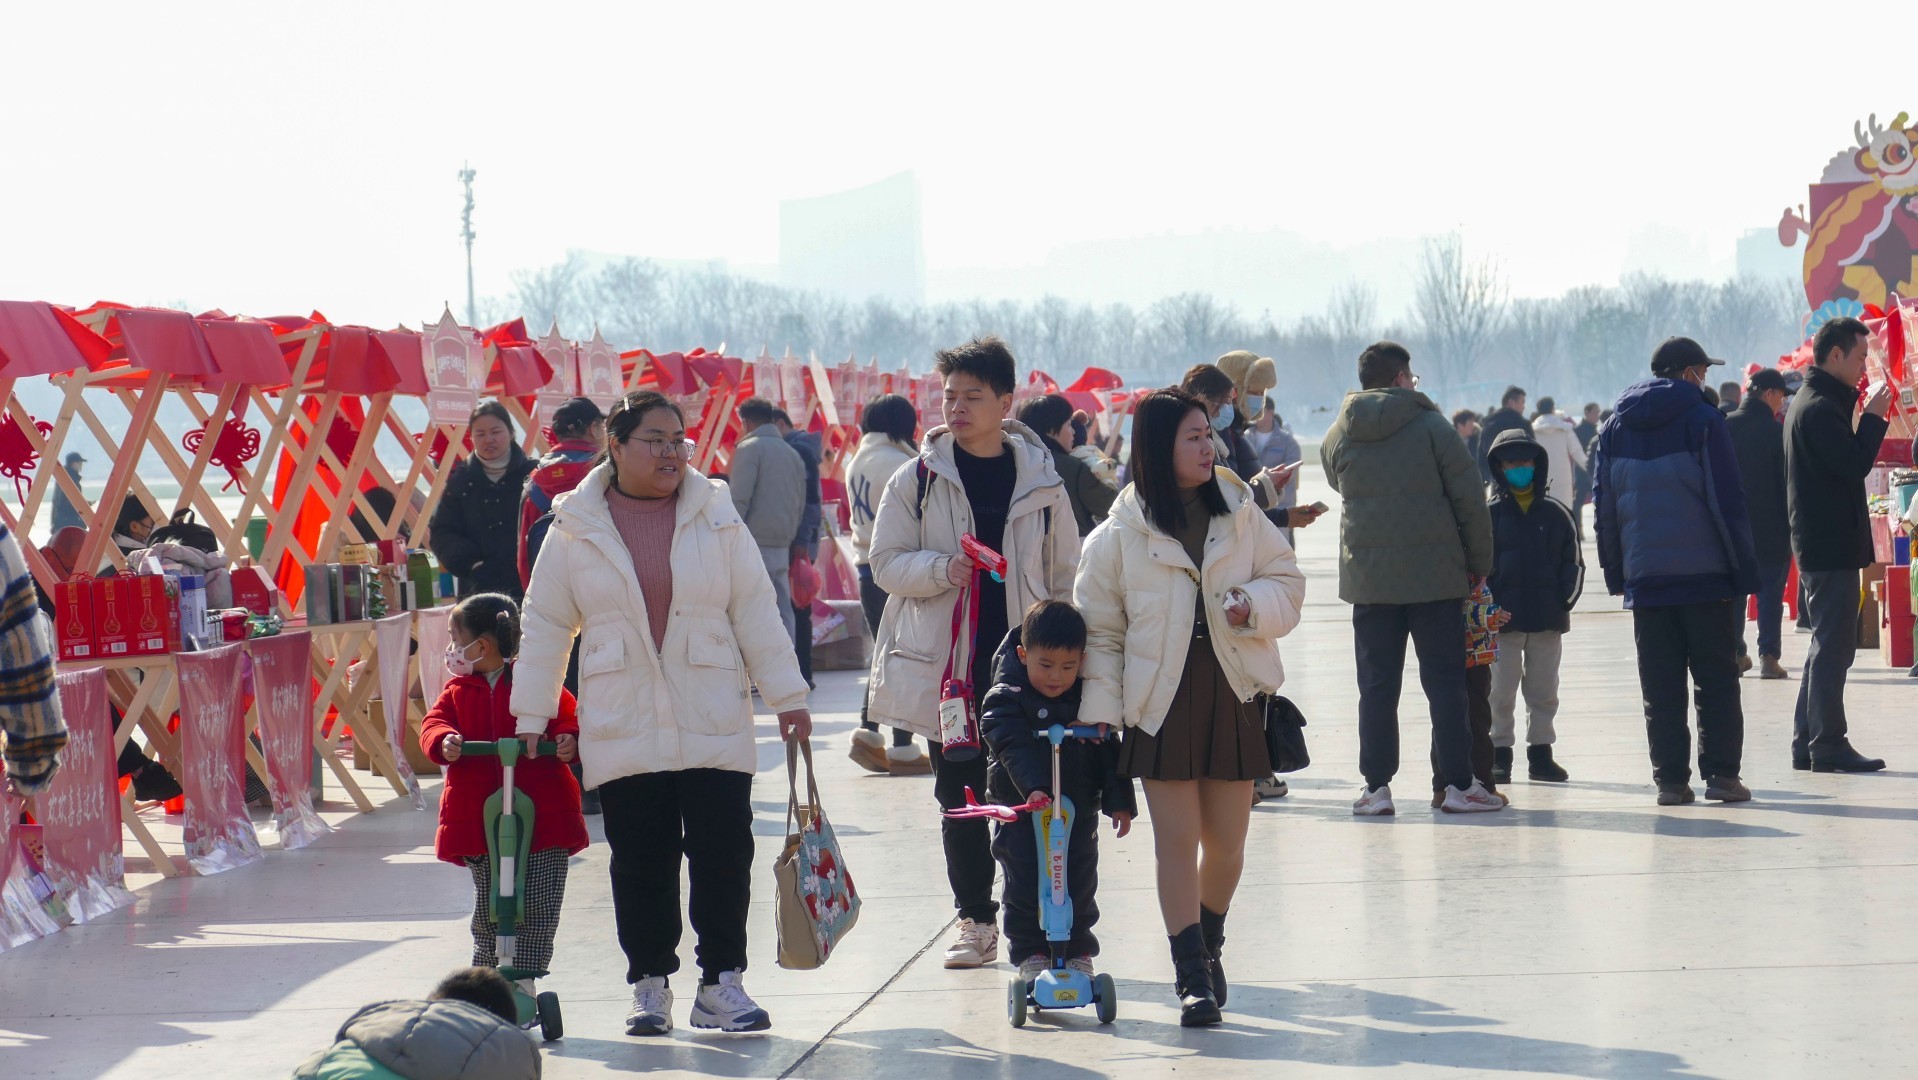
x=277 y=157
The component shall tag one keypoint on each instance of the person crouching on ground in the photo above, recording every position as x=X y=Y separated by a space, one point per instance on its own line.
x=1537 y=573
x=1185 y=590
x=474 y=706
x=1037 y=686
x=466 y=1027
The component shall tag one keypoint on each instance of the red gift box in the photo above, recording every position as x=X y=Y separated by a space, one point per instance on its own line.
x=255 y=591
x=390 y=553
x=73 y=620
x=155 y=606
x=113 y=616
x=1898 y=592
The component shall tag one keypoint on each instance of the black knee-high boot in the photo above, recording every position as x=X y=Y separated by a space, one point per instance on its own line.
x=1212 y=926
x=1192 y=979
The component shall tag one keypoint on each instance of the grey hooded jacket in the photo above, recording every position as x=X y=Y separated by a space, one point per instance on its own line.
x=428 y=1040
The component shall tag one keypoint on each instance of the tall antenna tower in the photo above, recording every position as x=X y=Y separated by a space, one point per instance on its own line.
x=466 y=233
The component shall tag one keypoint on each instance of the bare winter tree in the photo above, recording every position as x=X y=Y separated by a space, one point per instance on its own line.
x=1538 y=332
x=628 y=299
x=1460 y=305
x=552 y=293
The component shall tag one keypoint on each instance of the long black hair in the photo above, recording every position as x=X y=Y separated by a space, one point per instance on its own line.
x=491 y=615
x=628 y=413
x=1155 y=431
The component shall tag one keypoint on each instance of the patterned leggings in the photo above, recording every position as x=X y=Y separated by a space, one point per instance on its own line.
x=539 y=911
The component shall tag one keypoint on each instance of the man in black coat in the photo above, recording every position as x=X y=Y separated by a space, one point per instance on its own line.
x=1759 y=441
x=1826 y=463
x=1509 y=416
x=1537 y=575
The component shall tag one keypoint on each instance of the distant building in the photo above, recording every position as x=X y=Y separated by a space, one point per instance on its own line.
x=856 y=244
x=1760 y=255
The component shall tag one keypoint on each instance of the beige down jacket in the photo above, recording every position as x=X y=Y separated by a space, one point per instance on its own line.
x=1137 y=594
x=643 y=710
x=910 y=553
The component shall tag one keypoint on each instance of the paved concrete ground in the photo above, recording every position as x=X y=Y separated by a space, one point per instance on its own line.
x=1584 y=932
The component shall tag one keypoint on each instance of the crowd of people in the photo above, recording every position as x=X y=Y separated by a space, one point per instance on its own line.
x=627 y=607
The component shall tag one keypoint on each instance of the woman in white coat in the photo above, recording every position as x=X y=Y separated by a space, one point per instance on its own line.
x=649 y=564
x=1559 y=438
x=890 y=426
x=1185 y=589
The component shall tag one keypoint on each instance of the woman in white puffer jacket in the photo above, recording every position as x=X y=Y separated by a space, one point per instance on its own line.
x=1559 y=437
x=651 y=566
x=1185 y=589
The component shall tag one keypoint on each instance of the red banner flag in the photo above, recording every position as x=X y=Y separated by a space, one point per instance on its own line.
x=218 y=832
x=283 y=692
x=80 y=809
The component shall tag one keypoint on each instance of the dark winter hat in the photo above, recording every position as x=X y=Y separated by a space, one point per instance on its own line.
x=1767 y=379
x=1679 y=353
x=577 y=414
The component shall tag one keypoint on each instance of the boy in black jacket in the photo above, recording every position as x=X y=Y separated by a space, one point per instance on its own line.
x=1537 y=574
x=1036 y=685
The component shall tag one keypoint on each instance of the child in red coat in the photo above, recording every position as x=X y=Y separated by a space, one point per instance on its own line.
x=485 y=633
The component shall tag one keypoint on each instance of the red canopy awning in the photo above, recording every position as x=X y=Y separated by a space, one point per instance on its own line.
x=37 y=338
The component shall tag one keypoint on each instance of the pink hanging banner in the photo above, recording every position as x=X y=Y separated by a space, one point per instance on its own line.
x=394 y=637
x=24 y=891
x=435 y=632
x=218 y=832
x=283 y=693
x=79 y=811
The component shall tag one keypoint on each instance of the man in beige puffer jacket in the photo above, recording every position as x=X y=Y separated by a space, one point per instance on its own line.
x=993 y=478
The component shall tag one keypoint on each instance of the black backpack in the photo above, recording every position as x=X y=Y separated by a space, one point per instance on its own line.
x=186 y=531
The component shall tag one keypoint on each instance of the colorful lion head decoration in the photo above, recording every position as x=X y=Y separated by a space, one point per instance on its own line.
x=1862 y=239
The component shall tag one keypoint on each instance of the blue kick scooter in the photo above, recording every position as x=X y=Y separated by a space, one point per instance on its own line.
x=509 y=839
x=1059 y=987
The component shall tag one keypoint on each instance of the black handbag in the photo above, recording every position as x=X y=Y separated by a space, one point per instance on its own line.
x=1285 y=735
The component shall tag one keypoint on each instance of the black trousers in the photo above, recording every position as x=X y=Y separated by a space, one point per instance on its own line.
x=1700 y=639
x=1437 y=630
x=1819 y=727
x=652 y=820
x=873 y=599
x=1016 y=845
x=1478 y=708
x=968 y=844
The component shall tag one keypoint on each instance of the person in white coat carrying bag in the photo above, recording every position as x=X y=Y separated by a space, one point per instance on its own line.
x=650 y=565
x=992 y=478
x=1185 y=590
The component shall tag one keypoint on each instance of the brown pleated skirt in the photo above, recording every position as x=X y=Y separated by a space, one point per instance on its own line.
x=1208 y=734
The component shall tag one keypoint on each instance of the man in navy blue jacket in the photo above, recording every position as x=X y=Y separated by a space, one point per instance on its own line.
x=1674 y=540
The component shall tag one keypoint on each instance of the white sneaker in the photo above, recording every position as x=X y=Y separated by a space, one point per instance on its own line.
x=1376 y=802
x=976 y=946
x=1269 y=788
x=1031 y=967
x=1473 y=800
x=1082 y=965
x=724 y=1005
x=652 y=1011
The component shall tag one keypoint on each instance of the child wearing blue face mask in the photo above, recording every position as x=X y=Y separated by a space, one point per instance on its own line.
x=1537 y=573
x=475 y=705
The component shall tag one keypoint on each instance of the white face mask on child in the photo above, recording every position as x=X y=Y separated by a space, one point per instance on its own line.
x=457 y=661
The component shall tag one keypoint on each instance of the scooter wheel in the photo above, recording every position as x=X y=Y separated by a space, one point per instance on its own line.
x=1016 y=1002
x=550 y=1025
x=1105 y=997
